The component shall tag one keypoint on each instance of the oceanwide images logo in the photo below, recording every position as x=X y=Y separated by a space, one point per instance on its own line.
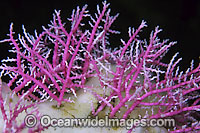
x=46 y=121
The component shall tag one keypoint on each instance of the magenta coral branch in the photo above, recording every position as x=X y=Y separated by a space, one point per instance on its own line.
x=133 y=37
x=61 y=26
x=15 y=44
x=75 y=25
x=2 y=103
x=10 y=124
x=61 y=60
x=95 y=27
x=176 y=112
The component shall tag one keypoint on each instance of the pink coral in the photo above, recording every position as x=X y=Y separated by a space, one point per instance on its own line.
x=170 y=89
x=11 y=109
x=55 y=62
x=58 y=61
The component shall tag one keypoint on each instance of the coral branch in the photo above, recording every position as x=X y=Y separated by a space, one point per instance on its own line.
x=59 y=62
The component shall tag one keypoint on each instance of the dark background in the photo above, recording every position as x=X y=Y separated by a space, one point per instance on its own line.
x=179 y=19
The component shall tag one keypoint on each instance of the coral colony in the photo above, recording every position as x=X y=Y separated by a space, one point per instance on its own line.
x=60 y=60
